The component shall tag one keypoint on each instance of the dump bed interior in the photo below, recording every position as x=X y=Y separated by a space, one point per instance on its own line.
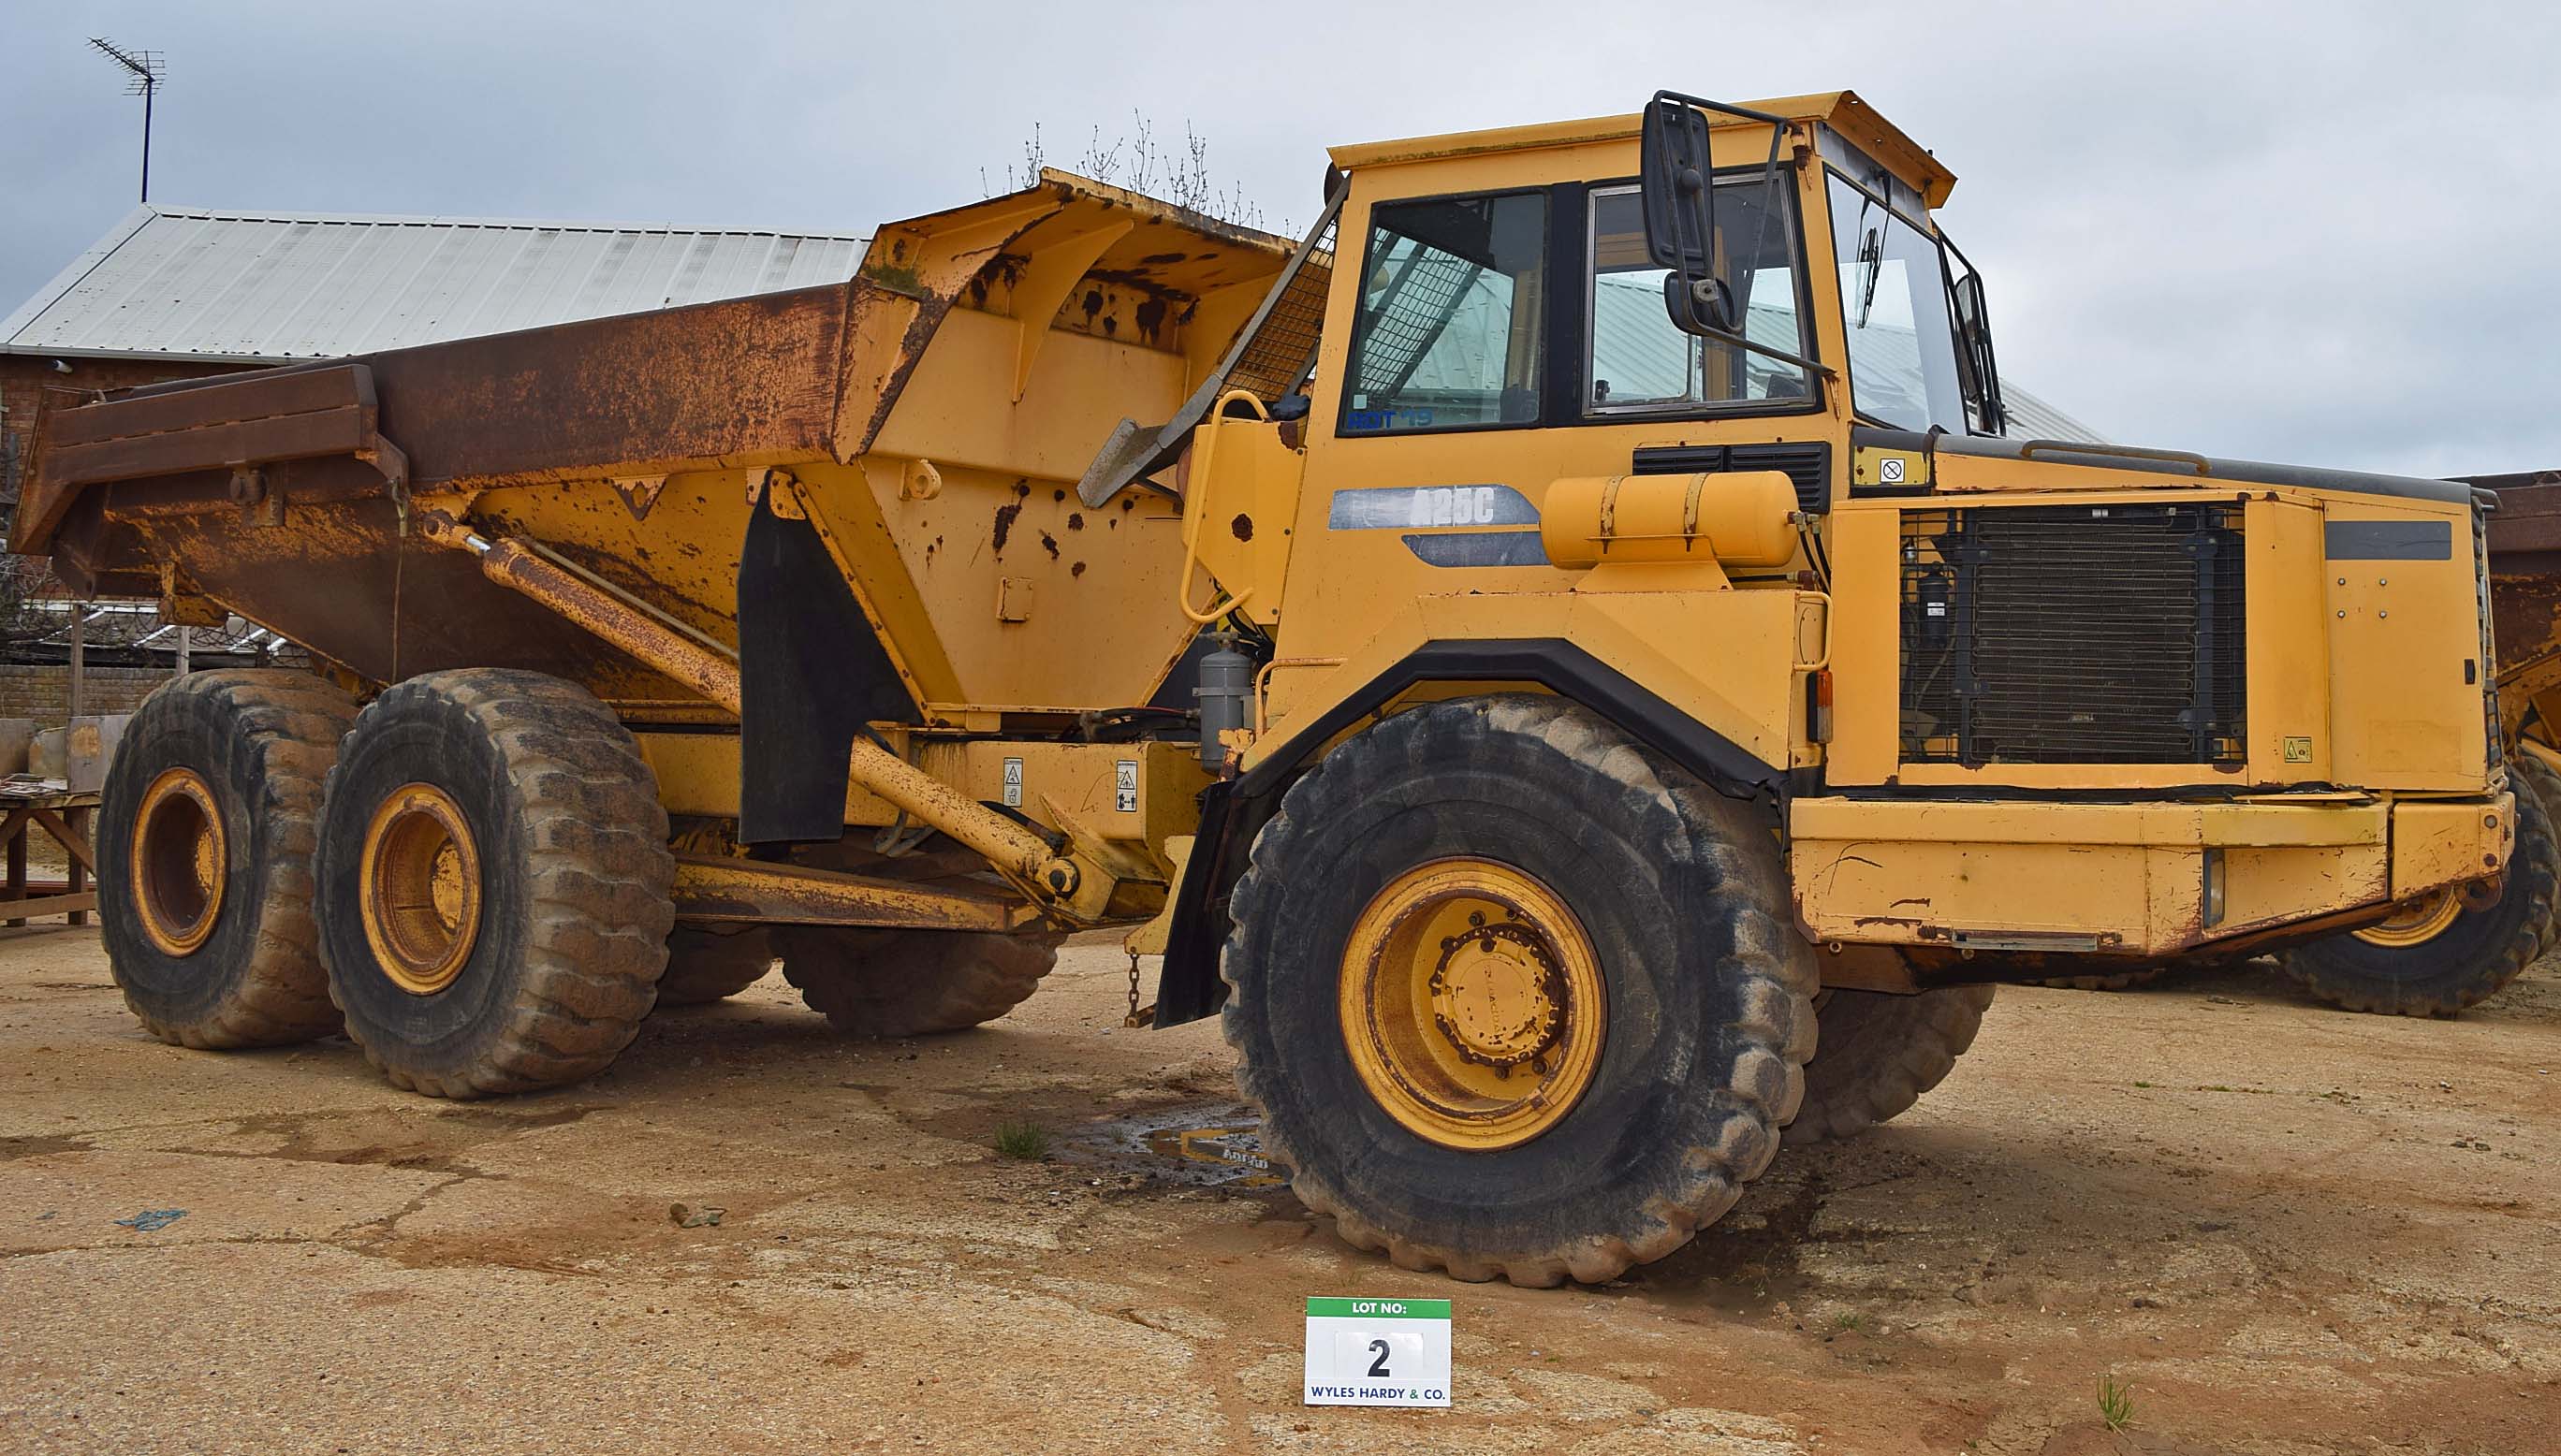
x=2525 y=546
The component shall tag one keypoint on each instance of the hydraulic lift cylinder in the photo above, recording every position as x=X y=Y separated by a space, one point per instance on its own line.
x=1011 y=847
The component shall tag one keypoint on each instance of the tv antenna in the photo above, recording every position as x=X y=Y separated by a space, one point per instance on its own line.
x=145 y=67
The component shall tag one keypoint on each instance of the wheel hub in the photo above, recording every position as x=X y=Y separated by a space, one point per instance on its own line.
x=179 y=863
x=421 y=874
x=2416 y=921
x=1493 y=995
x=1472 y=1004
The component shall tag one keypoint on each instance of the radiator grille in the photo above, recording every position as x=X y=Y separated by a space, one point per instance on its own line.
x=2073 y=634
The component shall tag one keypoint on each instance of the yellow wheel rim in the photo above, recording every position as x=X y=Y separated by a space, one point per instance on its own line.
x=1472 y=1004
x=420 y=878
x=179 y=861
x=2417 y=922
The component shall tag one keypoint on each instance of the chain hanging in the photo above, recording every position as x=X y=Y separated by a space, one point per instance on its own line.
x=1138 y=1016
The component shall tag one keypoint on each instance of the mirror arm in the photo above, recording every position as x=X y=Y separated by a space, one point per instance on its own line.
x=1719 y=108
x=1782 y=355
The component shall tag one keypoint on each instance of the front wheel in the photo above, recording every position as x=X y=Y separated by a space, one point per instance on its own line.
x=1518 y=997
x=2437 y=955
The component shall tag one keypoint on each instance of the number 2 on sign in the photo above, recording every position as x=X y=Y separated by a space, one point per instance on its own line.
x=1377 y=1351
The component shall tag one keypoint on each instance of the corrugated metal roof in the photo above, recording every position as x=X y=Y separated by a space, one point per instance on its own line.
x=194 y=283
x=2031 y=418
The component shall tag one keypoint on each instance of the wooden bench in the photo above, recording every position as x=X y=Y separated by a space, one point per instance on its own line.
x=68 y=816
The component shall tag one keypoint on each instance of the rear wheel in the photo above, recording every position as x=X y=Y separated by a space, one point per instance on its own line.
x=205 y=834
x=1876 y=1054
x=2437 y=955
x=704 y=964
x=494 y=883
x=909 y=982
x=1518 y=997
x=2113 y=981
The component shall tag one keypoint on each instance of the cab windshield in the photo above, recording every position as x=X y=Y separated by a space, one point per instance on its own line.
x=1894 y=301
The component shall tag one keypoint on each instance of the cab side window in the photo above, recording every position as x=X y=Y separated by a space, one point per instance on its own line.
x=1449 y=332
x=1639 y=361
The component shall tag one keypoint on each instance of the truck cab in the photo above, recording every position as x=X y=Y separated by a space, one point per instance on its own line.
x=2020 y=698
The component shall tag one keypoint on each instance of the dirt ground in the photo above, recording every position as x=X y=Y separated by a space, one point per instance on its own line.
x=2281 y=1229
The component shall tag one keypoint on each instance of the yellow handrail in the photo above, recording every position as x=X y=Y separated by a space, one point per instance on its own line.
x=1196 y=509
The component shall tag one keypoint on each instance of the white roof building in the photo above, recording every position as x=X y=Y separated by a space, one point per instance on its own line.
x=193 y=283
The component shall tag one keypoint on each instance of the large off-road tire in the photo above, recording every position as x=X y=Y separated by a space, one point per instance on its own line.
x=2113 y=981
x=204 y=857
x=911 y=983
x=1877 y=1053
x=494 y=883
x=2438 y=957
x=705 y=965
x=1508 y=880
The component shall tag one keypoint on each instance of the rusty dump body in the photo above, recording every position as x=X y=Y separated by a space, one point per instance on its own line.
x=634 y=450
x=2524 y=546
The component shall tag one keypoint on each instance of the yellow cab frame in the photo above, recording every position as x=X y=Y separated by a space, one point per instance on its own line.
x=1387 y=559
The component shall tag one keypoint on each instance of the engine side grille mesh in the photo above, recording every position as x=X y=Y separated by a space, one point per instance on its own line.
x=2073 y=634
x=1808 y=464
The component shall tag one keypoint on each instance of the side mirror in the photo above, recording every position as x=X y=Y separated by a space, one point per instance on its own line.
x=1700 y=305
x=1974 y=357
x=1679 y=188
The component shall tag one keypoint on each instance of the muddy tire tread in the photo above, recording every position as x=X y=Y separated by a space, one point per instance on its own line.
x=913 y=982
x=1763 y=1086
x=600 y=880
x=2534 y=870
x=289 y=725
x=704 y=966
x=2120 y=981
x=1921 y=1037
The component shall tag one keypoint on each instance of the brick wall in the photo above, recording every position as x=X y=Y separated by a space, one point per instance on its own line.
x=44 y=692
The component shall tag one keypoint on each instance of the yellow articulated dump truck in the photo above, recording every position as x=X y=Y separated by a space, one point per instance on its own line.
x=1563 y=658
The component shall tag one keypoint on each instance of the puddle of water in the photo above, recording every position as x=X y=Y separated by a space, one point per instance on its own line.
x=1194 y=1145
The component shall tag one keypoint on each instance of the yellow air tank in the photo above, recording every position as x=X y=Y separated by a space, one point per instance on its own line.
x=1741 y=518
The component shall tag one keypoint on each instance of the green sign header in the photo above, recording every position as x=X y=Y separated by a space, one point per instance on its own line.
x=1377 y=1309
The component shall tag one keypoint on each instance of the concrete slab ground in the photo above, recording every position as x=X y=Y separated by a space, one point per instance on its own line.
x=2283 y=1229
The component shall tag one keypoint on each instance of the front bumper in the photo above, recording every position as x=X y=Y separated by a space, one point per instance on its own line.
x=2144 y=878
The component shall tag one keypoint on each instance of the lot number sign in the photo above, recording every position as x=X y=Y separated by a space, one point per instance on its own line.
x=1378 y=1351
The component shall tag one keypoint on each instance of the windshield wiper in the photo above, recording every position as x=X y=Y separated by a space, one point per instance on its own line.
x=1871 y=255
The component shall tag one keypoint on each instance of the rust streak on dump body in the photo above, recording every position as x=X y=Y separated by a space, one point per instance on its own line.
x=740 y=382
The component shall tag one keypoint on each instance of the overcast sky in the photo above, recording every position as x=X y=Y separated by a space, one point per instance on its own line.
x=2320 y=232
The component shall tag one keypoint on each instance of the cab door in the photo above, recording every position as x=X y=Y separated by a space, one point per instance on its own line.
x=1481 y=344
